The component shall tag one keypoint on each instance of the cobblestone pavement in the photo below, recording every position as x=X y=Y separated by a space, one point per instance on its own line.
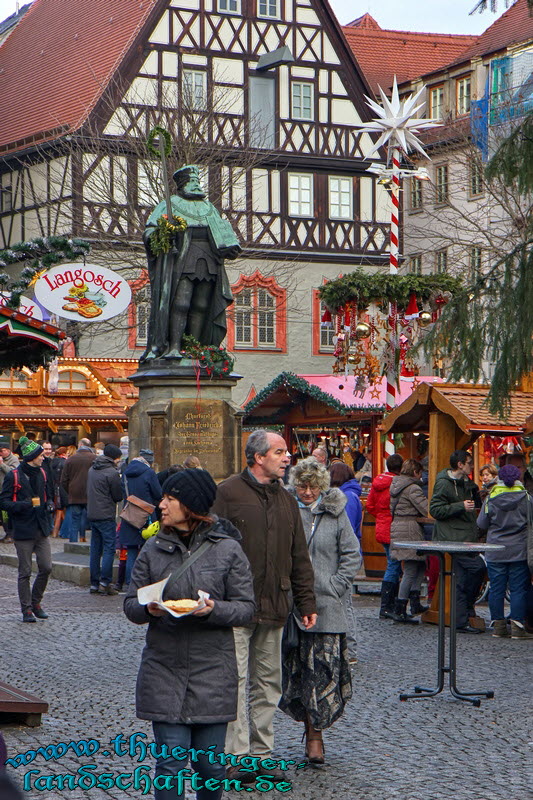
x=84 y=660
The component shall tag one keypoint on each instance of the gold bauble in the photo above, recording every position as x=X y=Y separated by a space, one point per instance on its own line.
x=362 y=330
x=352 y=359
x=425 y=318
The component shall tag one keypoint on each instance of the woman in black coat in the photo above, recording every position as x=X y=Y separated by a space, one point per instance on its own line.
x=187 y=682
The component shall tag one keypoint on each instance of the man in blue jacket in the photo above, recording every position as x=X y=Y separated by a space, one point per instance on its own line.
x=104 y=490
x=28 y=500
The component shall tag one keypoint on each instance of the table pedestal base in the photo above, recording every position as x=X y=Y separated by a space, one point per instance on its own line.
x=449 y=668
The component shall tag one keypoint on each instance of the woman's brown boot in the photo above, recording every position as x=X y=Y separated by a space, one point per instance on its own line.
x=314 y=746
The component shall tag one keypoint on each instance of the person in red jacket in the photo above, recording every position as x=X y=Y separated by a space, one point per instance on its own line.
x=378 y=504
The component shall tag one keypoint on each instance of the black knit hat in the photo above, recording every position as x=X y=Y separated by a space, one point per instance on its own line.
x=29 y=448
x=195 y=488
x=112 y=451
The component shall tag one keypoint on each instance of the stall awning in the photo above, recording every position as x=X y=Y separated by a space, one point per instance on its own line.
x=24 y=341
x=336 y=393
x=465 y=403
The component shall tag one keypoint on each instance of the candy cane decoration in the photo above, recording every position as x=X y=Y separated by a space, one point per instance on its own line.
x=391 y=378
x=397 y=125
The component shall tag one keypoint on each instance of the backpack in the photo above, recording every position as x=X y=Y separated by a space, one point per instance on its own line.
x=17 y=484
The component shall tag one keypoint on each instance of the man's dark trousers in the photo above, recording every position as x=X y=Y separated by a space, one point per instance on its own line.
x=25 y=549
x=470 y=571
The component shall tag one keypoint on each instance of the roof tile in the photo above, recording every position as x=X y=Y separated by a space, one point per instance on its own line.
x=59 y=59
x=382 y=53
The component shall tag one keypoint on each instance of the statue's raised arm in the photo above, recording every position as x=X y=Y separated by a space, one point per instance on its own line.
x=189 y=286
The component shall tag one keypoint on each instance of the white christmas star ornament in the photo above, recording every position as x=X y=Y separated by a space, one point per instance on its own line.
x=397 y=122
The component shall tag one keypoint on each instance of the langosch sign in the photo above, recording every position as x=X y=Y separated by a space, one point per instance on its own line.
x=27 y=306
x=84 y=292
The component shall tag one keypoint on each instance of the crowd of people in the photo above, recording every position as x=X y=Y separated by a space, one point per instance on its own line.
x=277 y=549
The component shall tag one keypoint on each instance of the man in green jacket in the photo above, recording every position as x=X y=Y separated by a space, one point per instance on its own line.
x=453 y=506
x=273 y=539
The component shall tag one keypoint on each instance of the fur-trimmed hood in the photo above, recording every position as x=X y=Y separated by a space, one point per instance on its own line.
x=332 y=502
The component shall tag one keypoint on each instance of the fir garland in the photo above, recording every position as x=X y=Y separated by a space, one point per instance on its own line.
x=161 y=239
x=154 y=133
x=363 y=288
x=293 y=381
x=216 y=361
x=43 y=253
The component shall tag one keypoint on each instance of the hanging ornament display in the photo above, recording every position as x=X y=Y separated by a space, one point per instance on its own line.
x=362 y=330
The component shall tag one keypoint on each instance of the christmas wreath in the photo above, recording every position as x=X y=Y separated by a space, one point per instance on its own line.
x=216 y=361
x=161 y=239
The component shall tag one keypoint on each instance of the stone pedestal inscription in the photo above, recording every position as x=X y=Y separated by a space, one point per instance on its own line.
x=175 y=421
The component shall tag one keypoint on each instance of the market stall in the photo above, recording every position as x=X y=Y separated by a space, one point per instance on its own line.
x=330 y=410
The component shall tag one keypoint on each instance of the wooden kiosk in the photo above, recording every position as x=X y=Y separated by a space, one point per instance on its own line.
x=455 y=417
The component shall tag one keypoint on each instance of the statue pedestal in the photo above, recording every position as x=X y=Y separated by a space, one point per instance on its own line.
x=180 y=413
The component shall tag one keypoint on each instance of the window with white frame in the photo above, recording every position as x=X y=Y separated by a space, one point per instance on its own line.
x=476 y=255
x=300 y=195
x=415 y=264
x=268 y=8
x=302 y=100
x=416 y=194
x=229 y=6
x=442 y=260
x=436 y=102
x=462 y=86
x=255 y=318
x=195 y=89
x=327 y=332
x=340 y=198
x=441 y=184
x=476 y=178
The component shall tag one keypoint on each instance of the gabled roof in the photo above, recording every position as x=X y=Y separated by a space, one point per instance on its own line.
x=466 y=403
x=382 y=53
x=334 y=393
x=513 y=27
x=58 y=61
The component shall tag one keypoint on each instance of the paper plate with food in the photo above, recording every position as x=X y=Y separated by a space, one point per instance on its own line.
x=176 y=608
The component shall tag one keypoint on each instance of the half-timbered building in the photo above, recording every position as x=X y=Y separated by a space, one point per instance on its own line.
x=265 y=94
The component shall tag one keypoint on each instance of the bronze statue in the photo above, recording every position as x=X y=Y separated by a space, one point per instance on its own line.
x=189 y=286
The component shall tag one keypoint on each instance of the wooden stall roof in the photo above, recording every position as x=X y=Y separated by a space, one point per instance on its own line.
x=24 y=340
x=466 y=404
x=291 y=395
x=115 y=395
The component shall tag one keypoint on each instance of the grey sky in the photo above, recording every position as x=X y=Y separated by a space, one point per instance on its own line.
x=435 y=16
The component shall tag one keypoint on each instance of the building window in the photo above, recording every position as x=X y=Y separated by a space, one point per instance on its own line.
x=258 y=318
x=302 y=100
x=475 y=262
x=441 y=184
x=416 y=194
x=12 y=379
x=229 y=6
x=436 y=102
x=6 y=198
x=268 y=8
x=72 y=381
x=195 y=89
x=300 y=195
x=340 y=198
x=442 y=261
x=476 y=179
x=327 y=332
x=462 y=96
x=415 y=265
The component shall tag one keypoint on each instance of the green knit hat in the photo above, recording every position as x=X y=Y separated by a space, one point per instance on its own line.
x=29 y=449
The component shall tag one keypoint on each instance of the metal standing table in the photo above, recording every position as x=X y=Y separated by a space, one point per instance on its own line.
x=440 y=549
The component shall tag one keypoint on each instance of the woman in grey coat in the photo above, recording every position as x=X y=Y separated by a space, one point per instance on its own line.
x=316 y=672
x=187 y=682
x=408 y=503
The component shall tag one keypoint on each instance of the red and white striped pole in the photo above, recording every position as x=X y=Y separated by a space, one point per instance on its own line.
x=393 y=269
